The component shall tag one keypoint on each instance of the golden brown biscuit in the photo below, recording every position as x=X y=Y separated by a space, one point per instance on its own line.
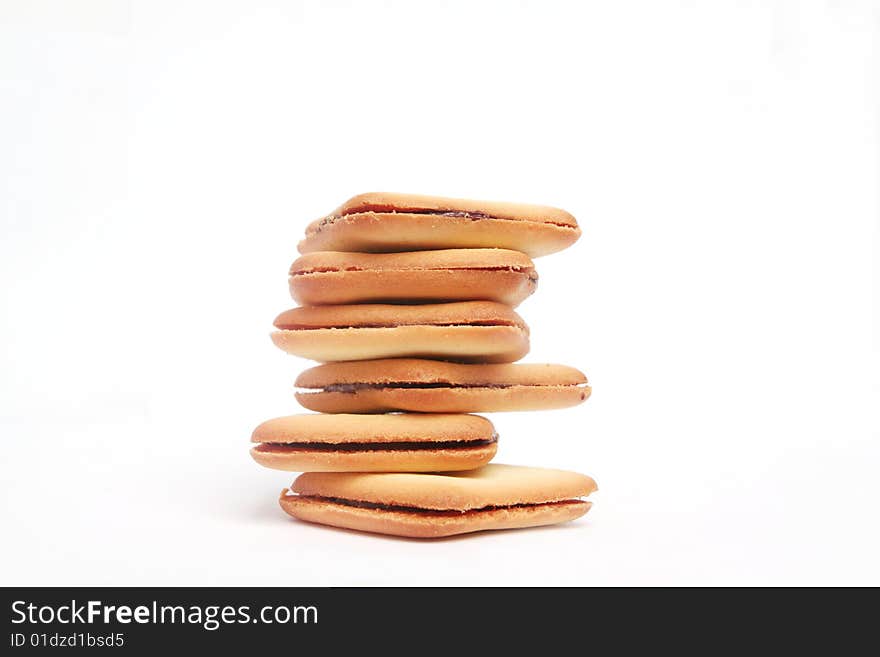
x=399 y=442
x=440 y=504
x=386 y=222
x=429 y=386
x=337 y=278
x=468 y=331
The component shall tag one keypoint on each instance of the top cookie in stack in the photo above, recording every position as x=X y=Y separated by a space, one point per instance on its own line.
x=389 y=223
x=408 y=301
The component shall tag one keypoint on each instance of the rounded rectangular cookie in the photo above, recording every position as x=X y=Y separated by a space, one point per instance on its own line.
x=430 y=386
x=468 y=331
x=439 y=504
x=388 y=222
x=396 y=442
x=339 y=278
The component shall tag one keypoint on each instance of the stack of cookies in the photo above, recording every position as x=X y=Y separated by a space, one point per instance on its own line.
x=408 y=303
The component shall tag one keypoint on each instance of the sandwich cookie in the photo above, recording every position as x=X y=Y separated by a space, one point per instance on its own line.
x=407 y=442
x=336 y=278
x=441 y=504
x=468 y=331
x=429 y=386
x=385 y=222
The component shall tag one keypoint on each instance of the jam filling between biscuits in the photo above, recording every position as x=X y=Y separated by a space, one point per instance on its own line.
x=397 y=446
x=435 y=512
x=533 y=276
x=473 y=215
x=302 y=327
x=355 y=387
x=458 y=214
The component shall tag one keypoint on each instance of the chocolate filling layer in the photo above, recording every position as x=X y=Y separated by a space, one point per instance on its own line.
x=400 y=446
x=330 y=270
x=354 y=387
x=474 y=215
x=464 y=214
x=302 y=327
x=458 y=213
x=433 y=512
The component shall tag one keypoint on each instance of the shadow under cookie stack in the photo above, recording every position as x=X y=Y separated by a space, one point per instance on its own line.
x=407 y=301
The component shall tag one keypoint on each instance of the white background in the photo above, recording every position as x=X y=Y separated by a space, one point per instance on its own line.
x=160 y=160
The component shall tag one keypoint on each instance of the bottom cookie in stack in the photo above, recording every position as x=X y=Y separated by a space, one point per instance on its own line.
x=439 y=504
